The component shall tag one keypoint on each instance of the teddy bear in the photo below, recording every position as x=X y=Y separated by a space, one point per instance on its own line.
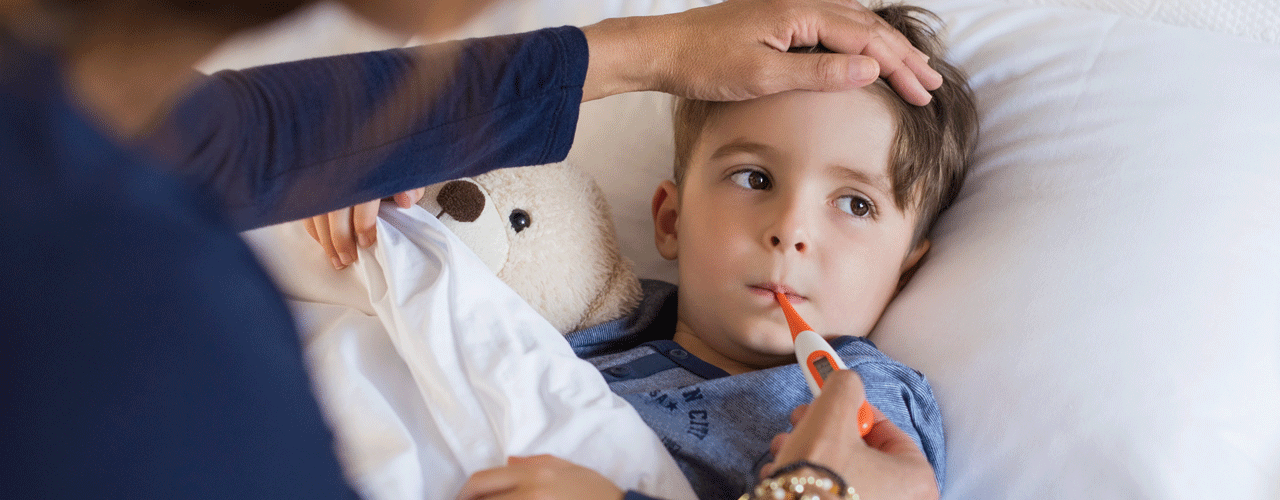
x=546 y=231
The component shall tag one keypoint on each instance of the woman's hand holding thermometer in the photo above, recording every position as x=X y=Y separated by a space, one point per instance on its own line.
x=818 y=360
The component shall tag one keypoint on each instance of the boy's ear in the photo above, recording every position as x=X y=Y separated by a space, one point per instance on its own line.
x=912 y=262
x=666 y=210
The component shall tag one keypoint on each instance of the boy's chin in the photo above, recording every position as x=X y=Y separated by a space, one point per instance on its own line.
x=774 y=354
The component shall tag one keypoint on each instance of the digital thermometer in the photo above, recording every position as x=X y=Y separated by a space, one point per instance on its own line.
x=818 y=360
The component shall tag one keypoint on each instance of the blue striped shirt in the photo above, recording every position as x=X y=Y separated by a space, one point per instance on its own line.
x=719 y=426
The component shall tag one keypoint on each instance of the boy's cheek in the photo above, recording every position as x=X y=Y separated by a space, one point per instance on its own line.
x=858 y=315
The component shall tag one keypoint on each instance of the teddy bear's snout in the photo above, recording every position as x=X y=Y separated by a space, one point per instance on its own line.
x=461 y=200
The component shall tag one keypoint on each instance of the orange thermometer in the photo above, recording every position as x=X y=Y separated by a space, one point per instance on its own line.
x=818 y=360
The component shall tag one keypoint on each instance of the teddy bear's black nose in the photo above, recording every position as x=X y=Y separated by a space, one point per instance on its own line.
x=462 y=200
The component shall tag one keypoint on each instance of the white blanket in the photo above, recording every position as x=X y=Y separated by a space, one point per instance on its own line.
x=430 y=368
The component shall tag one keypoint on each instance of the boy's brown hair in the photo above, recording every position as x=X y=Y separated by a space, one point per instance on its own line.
x=930 y=152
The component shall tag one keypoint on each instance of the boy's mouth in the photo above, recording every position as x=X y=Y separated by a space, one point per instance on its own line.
x=770 y=289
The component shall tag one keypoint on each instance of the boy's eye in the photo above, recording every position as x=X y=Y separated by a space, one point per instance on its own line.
x=751 y=179
x=856 y=206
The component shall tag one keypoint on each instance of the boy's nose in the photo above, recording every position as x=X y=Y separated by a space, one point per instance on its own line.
x=777 y=242
x=788 y=224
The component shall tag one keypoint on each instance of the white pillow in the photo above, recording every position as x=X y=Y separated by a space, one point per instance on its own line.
x=1100 y=313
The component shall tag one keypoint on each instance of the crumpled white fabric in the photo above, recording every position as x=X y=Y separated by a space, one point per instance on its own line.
x=430 y=368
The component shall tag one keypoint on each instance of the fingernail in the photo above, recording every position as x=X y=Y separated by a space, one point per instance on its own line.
x=362 y=240
x=345 y=258
x=863 y=69
x=337 y=264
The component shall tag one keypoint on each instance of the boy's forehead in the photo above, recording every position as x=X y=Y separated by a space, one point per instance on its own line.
x=861 y=101
x=853 y=129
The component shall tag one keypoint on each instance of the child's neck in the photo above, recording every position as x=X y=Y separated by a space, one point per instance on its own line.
x=691 y=342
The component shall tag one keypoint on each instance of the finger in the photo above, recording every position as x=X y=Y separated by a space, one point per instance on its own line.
x=821 y=72
x=322 y=234
x=415 y=195
x=311 y=229
x=488 y=483
x=534 y=460
x=896 y=53
x=845 y=382
x=907 y=85
x=408 y=198
x=828 y=433
x=798 y=414
x=900 y=62
x=402 y=200
x=544 y=461
x=897 y=44
x=888 y=438
x=900 y=77
x=364 y=221
x=776 y=444
x=768 y=469
x=880 y=416
x=930 y=78
x=340 y=233
x=861 y=32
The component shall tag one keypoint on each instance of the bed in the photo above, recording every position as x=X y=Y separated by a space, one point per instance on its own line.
x=1099 y=314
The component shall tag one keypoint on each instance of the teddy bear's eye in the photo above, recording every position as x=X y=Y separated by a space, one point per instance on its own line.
x=520 y=219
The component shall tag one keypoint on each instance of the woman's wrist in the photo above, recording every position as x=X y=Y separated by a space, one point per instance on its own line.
x=802 y=480
x=626 y=55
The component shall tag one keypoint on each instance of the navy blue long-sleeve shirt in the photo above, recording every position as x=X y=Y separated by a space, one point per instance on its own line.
x=147 y=353
x=286 y=141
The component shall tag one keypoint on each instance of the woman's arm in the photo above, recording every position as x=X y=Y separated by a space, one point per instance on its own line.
x=291 y=140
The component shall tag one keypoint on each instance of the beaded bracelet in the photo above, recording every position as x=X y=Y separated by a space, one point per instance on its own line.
x=794 y=487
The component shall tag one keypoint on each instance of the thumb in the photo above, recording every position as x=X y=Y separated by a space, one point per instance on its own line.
x=826 y=72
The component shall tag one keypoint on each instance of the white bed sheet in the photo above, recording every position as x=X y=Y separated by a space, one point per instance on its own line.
x=430 y=368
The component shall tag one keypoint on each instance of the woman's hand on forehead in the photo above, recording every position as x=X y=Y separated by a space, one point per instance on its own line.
x=737 y=50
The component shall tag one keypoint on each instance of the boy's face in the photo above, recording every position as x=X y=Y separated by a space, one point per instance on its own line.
x=788 y=192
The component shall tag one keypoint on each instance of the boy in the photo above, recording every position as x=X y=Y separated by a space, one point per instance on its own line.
x=826 y=197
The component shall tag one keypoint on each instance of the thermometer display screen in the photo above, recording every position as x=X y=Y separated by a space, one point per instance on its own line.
x=823 y=364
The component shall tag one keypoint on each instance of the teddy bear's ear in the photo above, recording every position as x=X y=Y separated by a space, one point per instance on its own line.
x=467 y=209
